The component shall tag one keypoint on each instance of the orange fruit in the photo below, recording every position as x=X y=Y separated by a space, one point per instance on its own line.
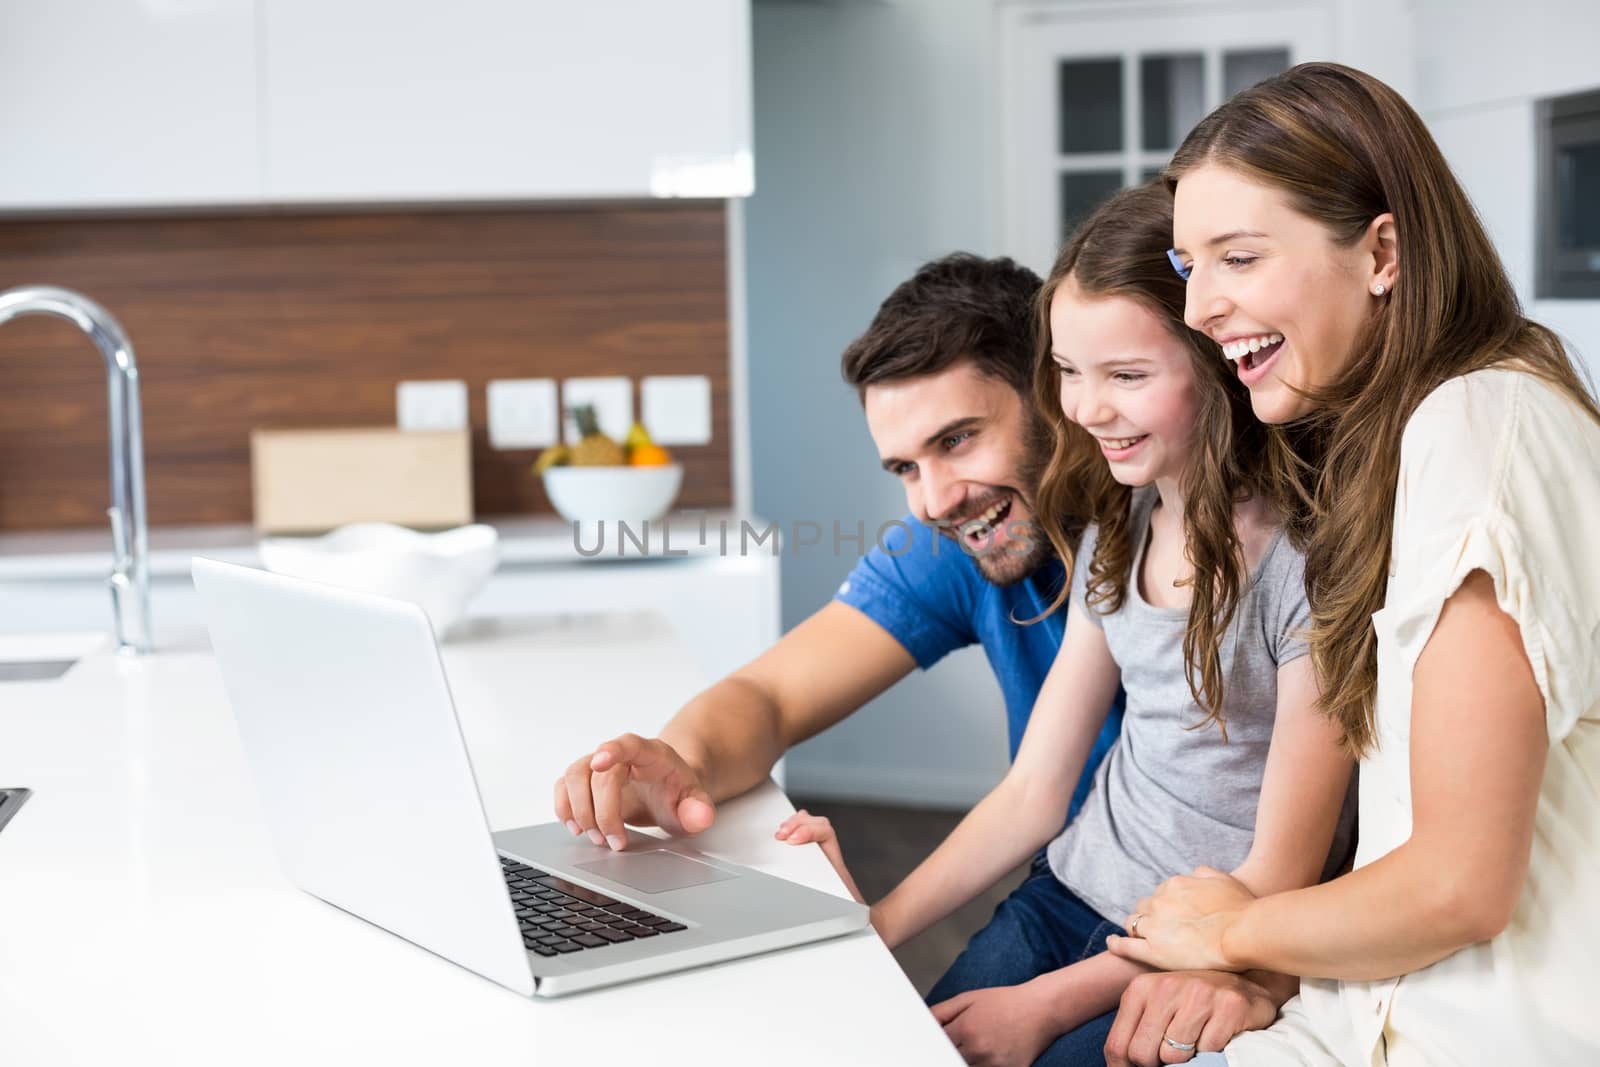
x=649 y=456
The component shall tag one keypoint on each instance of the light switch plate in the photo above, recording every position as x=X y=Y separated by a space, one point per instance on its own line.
x=677 y=408
x=613 y=405
x=523 y=413
x=431 y=405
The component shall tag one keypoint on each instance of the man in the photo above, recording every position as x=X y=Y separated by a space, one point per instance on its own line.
x=944 y=373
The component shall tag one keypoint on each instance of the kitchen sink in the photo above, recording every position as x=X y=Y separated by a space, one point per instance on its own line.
x=34 y=670
x=45 y=657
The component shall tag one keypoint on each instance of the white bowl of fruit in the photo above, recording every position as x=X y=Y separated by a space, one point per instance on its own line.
x=599 y=479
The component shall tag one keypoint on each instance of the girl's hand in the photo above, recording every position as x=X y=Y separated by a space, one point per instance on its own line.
x=1004 y=1026
x=804 y=828
x=1181 y=926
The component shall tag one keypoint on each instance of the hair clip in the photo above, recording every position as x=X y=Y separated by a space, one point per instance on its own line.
x=1177 y=264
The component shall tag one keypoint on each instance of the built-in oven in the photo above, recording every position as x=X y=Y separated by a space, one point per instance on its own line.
x=1569 y=197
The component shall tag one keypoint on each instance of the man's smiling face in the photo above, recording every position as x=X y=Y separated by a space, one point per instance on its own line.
x=959 y=441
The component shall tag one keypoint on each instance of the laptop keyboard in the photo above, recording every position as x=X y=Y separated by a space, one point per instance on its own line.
x=556 y=916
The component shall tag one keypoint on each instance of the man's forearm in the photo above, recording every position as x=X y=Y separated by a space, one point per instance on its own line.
x=1086 y=990
x=730 y=735
x=1280 y=987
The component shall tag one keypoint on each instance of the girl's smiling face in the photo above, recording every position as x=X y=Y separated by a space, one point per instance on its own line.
x=1126 y=379
x=1272 y=287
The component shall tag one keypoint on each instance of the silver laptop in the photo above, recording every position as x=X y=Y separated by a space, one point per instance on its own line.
x=347 y=723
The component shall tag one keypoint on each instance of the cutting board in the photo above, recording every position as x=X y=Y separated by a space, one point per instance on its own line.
x=308 y=481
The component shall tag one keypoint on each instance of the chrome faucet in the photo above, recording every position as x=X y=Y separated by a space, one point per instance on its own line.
x=130 y=576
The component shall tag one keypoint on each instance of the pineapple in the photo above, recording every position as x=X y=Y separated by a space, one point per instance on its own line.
x=594 y=449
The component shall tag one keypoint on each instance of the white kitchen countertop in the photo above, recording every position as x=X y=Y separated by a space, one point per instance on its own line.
x=43 y=555
x=143 y=919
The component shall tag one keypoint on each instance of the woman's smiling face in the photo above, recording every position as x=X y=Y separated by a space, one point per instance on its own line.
x=1270 y=285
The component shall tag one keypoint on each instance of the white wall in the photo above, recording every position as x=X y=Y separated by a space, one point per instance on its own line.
x=877 y=136
x=874 y=132
x=1486 y=63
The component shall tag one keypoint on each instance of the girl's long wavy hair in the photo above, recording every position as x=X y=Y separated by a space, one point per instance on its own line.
x=1121 y=250
x=1345 y=148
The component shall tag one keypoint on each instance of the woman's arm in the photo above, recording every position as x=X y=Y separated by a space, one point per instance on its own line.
x=1302 y=790
x=1029 y=805
x=1478 y=746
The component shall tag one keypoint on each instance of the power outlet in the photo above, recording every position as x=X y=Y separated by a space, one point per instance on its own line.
x=523 y=413
x=677 y=408
x=431 y=405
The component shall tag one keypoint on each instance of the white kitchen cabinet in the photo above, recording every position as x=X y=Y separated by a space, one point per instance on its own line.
x=182 y=103
x=116 y=104
x=490 y=99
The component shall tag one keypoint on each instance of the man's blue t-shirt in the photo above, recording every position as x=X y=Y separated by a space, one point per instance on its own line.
x=928 y=593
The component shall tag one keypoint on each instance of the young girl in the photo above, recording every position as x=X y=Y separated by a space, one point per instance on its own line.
x=1452 y=478
x=1145 y=416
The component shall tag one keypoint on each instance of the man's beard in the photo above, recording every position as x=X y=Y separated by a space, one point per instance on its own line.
x=1038 y=443
x=1011 y=565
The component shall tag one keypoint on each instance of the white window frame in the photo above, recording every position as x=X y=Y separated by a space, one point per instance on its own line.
x=1035 y=36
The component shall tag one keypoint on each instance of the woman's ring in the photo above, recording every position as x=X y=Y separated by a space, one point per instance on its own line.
x=1133 y=924
x=1181 y=1046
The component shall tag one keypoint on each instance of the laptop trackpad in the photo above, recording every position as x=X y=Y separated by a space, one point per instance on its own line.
x=655 y=872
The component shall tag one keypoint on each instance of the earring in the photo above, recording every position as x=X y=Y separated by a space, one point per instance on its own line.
x=1378 y=290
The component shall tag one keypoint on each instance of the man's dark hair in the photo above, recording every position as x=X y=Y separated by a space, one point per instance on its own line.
x=960 y=307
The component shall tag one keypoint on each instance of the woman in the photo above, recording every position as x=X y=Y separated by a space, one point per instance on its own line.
x=1448 y=461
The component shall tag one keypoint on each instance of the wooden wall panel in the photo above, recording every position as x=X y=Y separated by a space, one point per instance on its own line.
x=310 y=320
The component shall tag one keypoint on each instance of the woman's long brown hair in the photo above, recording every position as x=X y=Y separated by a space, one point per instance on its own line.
x=1345 y=148
x=1121 y=250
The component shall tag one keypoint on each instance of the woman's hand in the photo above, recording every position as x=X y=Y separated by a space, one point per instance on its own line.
x=1206 y=892
x=1181 y=926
